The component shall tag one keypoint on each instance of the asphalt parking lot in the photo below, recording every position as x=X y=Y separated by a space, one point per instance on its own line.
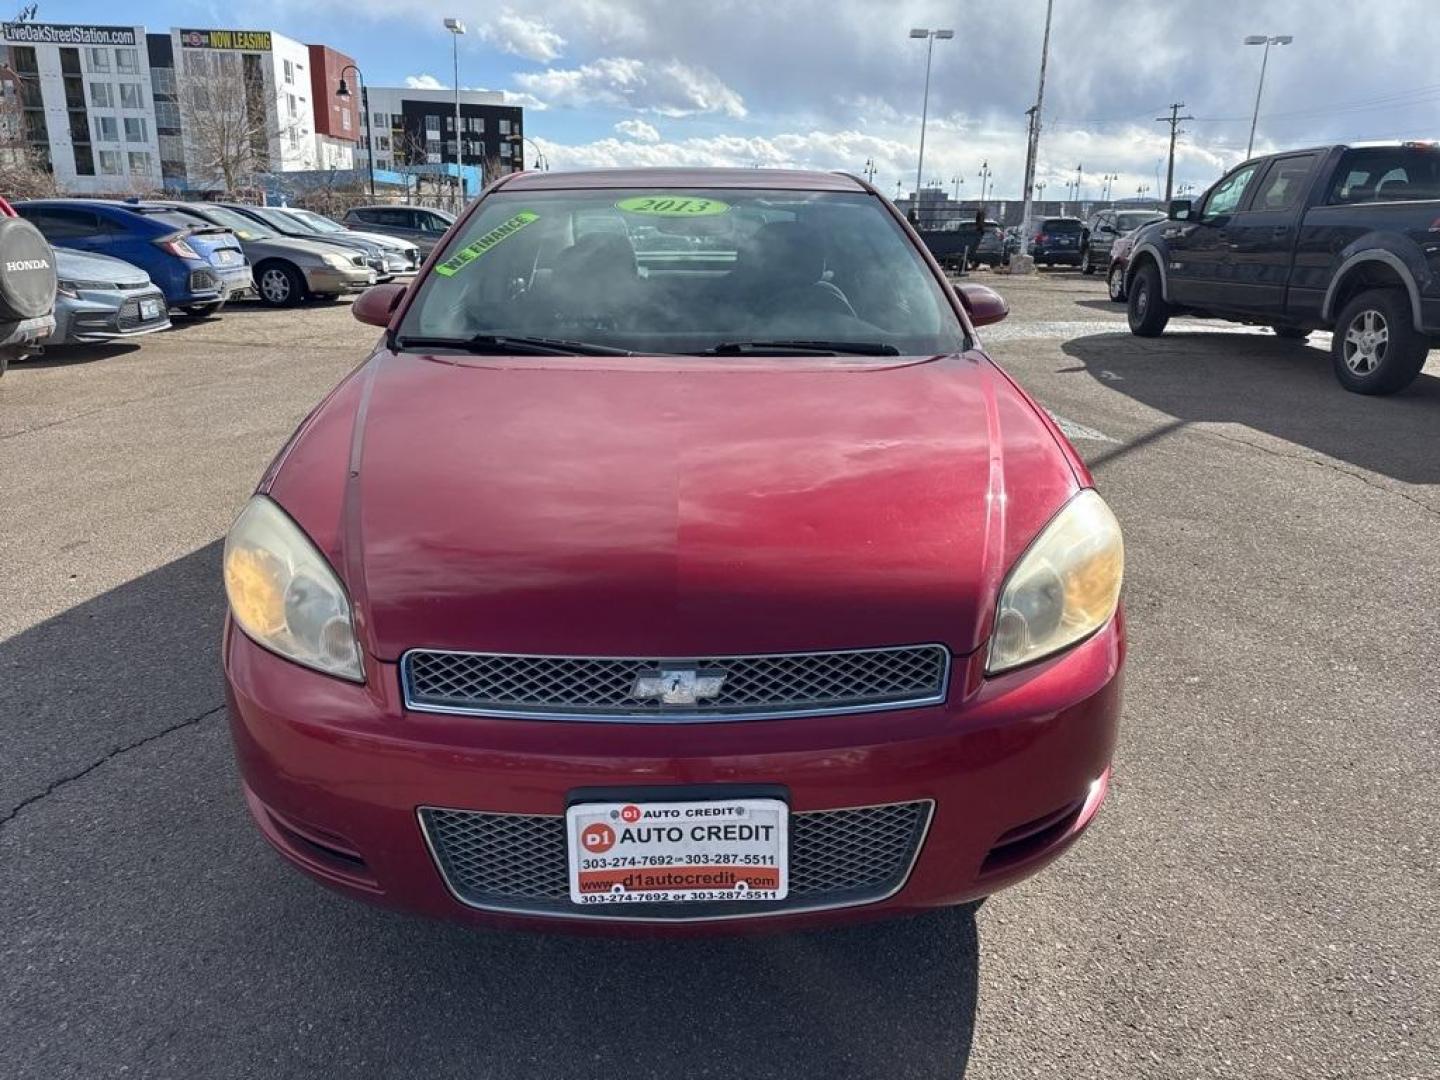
x=1258 y=899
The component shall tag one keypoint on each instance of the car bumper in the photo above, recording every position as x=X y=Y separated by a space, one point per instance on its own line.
x=26 y=332
x=1053 y=255
x=88 y=321
x=332 y=281
x=335 y=775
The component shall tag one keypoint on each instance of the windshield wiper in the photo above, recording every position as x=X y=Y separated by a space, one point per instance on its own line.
x=821 y=348
x=504 y=345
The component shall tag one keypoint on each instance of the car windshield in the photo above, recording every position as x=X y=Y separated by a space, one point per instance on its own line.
x=319 y=222
x=686 y=271
x=277 y=219
x=239 y=224
x=1130 y=222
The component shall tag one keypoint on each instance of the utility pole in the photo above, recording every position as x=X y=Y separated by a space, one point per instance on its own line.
x=1021 y=261
x=1079 y=177
x=1174 y=121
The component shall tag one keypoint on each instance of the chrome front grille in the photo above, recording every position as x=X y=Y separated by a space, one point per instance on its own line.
x=517 y=863
x=601 y=688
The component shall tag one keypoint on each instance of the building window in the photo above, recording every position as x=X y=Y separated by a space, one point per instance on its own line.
x=477 y=125
x=84 y=161
x=131 y=96
x=102 y=95
x=504 y=127
x=99 y=59
x=172 y=148
x=109 y=162
x=504 y=147
x=135 y=129
x=344 y=119
x=290 y=106
x=382 y=142
x=432 y=123
x=139 y=163
x=127 y=61
x=289 y=73
x=106 y=129
x=167 y=114
x=162 y=80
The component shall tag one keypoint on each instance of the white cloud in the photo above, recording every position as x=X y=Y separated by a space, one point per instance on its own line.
x=534 y=39
x=525 y=101
x=423 y=82
x=667 y=88
x=638 y=130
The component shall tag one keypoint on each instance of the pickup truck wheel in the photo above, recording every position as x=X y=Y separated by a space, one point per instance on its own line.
x=1147 y=311
x=1376 y=349
x=1116 y=283
x=1291 y=333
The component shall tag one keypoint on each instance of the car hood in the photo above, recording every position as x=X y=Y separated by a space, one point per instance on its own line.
x=673 y=507
x=389 y=243
x=72 y=265
x=285 y=247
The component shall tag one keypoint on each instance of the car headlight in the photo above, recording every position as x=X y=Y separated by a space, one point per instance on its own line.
x=1064 y=588
x=339 y=262
x=284 y=595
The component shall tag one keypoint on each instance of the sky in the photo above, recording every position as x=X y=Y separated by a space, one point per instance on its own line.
x=831 y=84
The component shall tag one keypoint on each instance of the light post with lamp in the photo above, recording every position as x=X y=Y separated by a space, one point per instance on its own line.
x=930 y=36
x=457 y=28
x=1262 y=39
x=343 y=93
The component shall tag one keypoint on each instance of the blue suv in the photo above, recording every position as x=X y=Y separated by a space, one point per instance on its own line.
x=197 y=267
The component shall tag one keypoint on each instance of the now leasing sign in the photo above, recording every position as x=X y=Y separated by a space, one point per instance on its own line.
x=242 y=40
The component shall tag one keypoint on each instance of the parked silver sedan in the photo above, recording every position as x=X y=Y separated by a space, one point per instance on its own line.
x=98 y=298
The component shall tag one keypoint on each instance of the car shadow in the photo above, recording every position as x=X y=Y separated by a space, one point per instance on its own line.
x=71 y=355
x=119 y=799
x=1105 y=305
x=1282 y=388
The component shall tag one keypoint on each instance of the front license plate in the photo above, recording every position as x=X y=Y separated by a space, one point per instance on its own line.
x=149 y=309
x=649 y=852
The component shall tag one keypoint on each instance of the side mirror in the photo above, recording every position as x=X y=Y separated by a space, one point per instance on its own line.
x=1180 y=210
x=377 y=304
x=982 y=303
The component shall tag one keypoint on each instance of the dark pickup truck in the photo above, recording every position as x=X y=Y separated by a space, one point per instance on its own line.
x=1342 y=238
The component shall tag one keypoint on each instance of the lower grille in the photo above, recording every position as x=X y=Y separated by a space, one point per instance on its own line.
x=129 y=318
x=517 y=862
x=719 y=687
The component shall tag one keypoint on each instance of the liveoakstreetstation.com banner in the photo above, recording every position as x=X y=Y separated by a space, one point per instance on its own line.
x=67 y=34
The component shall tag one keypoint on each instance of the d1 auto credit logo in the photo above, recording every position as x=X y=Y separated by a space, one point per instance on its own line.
x=630 y=814
x=597 y=837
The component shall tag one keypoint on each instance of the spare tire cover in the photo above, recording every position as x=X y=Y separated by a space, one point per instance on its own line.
x=27 y=271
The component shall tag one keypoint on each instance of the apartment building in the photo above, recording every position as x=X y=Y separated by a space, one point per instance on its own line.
x=83 y=97
x=417 y=127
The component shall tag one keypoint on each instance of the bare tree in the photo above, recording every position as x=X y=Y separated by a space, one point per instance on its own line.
x=229 y=119
x=23 y=171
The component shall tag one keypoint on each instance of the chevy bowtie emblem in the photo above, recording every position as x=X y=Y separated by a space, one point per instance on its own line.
x=678 y=685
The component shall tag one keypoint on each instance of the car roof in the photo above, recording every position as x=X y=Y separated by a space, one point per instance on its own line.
x=784 y=179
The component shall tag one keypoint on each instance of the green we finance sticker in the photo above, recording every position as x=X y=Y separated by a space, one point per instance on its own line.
x=672 y=206
x=473 y=250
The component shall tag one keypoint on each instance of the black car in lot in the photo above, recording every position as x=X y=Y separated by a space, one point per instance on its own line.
x=1057 y=241
x=1343 y=238
x=1104 y=228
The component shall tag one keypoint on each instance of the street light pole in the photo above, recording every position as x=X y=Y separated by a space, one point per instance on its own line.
x=1023 y=264
x=343 y=93
x=984 y=175
x=1261 y=39
x=930 y=36
x=456 y=28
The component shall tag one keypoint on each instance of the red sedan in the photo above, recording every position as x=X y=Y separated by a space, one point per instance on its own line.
x=678 y=557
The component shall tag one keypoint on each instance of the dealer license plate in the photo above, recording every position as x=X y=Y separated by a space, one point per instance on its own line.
x=648 y=852
x=149 y=309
